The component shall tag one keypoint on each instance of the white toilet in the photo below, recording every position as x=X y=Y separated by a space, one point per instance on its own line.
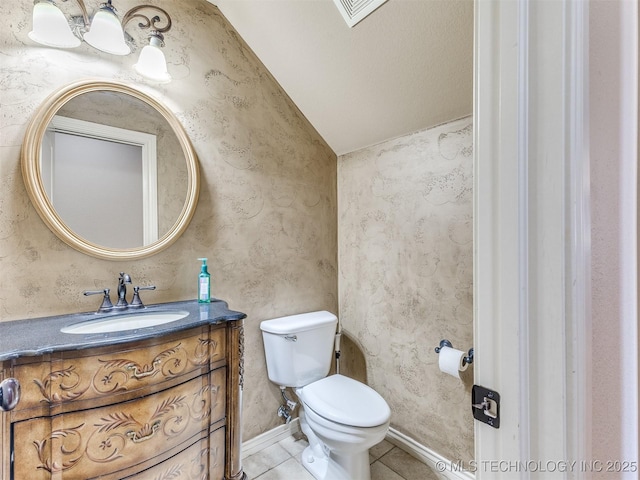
x=341 y=417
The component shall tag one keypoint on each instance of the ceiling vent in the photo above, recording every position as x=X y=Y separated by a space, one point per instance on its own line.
x=355 y=10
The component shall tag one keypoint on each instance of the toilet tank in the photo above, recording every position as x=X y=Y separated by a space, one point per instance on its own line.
x=299 y=348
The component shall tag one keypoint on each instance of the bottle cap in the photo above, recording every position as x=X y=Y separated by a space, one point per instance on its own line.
x=203 y=269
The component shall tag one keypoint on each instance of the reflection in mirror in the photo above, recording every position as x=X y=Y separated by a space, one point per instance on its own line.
x=91 y=171
x=110 y=170
x=122 y=111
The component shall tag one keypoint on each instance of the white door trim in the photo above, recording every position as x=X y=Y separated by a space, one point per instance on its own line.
x=496 y=203
x=149 y=158
x=531 y=228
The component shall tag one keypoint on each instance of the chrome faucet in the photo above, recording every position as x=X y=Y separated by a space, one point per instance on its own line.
x=122 y=303
x=135 y=301
x=122 y=290
x=106 y=305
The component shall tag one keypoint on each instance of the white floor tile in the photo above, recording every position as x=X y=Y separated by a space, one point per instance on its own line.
x=282 y=462
x=264 y=460
x=294 y=446
x=379 y=450
x=379 y=471
x=288 y=470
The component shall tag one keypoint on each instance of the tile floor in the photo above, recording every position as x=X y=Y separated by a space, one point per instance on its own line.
x=281 y=461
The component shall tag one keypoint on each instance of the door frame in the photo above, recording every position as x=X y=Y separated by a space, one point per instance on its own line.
x=532 y=330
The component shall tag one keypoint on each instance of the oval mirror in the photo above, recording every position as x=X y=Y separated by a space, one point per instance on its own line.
x=110 y=170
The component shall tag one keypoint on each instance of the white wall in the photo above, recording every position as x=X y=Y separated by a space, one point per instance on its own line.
x=531 y=120
x=613 y=125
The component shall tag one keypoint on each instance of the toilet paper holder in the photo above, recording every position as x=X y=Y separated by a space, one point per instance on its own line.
x=446 y=343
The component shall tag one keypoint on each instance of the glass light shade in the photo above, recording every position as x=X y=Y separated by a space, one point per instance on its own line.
x=106 y=33
x=152 y=64
x=50 y=27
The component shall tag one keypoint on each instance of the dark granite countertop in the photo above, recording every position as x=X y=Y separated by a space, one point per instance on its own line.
x=38 y=336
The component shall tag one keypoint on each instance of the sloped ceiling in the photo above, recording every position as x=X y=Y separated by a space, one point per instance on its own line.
x=406 y=67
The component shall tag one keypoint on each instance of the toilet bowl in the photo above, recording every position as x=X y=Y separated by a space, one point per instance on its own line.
x=346 y=418
x=341 y=417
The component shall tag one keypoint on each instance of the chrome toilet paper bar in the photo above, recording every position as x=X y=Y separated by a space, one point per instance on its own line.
x=446 y=343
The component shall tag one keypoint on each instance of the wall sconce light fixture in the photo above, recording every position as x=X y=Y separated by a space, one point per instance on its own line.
x=105 y=32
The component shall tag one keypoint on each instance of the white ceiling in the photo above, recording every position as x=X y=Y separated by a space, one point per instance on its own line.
x=406 y=67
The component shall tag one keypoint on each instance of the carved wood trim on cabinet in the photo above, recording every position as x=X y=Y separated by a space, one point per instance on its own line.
x=235 y=370
x=156 y=409
x=5 y=453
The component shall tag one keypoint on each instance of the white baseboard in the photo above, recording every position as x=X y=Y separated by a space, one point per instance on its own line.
x=269 y=438
x=445 y=468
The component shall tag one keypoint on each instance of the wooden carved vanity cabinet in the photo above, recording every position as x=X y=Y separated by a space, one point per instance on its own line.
x=160 y=408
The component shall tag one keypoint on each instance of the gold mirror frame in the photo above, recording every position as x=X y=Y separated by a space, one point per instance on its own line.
x=31 y=171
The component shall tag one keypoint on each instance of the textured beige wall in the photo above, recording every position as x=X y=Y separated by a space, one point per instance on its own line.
x=405 y=276
x=267 y=211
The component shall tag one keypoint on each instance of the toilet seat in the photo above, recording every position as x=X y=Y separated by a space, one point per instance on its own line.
x=345 y=401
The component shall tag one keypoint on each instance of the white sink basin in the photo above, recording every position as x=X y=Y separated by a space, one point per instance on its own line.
x=121 y=323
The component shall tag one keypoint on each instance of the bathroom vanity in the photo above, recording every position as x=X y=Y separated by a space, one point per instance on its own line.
x=159 y=402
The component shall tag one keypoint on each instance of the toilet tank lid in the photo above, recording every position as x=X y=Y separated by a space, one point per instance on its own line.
x=298 y=323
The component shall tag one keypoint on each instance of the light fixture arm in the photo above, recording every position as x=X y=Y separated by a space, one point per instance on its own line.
x=146 y=22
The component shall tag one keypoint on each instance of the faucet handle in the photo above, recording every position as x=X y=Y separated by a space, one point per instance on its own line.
x=106 y=300
x=135 y=301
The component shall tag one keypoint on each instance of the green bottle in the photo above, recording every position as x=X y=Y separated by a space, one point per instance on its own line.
x=204 y=283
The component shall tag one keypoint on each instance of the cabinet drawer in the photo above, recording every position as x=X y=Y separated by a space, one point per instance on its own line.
x=202 y=460
x=128 y=437
x=77 y=378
